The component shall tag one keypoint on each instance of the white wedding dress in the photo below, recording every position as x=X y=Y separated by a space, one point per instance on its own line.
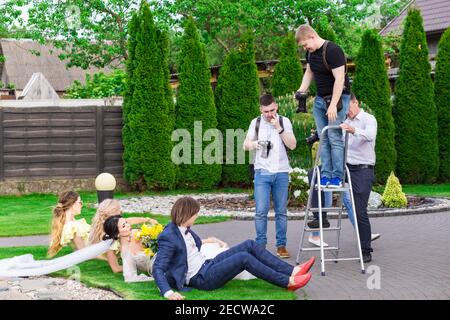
x=26 y=266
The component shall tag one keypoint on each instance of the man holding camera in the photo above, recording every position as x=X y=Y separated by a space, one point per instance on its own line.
x=326 y=64
x=270 y=135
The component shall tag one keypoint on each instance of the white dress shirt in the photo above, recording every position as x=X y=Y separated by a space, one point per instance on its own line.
x=277 y=161
x=361 y=144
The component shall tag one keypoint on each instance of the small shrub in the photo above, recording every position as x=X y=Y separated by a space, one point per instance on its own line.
x=393 y=197
x=298 y=187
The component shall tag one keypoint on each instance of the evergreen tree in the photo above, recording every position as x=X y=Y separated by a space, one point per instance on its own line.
x=150 y=118
x=195 y=102
x=442 y=98
x=288 y=72
x=130 y=166
x=237 y=102
x=414 y=109
x=371 y=86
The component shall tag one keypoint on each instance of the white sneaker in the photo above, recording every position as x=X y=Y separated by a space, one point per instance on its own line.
x=375 y=236
x=316 y=242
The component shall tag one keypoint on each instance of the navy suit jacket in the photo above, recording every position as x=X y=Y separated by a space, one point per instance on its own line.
x=170 y=266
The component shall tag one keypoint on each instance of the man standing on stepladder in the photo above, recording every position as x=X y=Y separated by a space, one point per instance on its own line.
x=326 y=64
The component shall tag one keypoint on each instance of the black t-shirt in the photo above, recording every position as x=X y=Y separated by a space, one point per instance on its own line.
x=324 y=77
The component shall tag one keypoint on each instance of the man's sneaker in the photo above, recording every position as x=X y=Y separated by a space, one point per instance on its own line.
x=335 y=183
x=367 y=257
x=324 y=181
x=314 y=224
x=375 y=236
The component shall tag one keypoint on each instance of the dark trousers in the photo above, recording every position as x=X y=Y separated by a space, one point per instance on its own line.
x=245 y=256
x=362 y=181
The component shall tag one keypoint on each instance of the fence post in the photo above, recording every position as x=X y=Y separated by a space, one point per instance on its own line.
x=2 y=163
x=100 y=140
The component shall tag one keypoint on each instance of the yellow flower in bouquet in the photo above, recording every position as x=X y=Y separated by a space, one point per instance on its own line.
x=148 y=237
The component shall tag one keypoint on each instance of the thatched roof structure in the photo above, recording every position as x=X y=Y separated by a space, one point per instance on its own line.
x=21 y=62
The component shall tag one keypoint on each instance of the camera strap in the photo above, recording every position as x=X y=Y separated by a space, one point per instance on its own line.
x=258 y=123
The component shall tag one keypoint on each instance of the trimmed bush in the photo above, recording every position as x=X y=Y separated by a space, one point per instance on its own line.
x=442 y=98
x=195 y=102
x=302 y=123
x=371 y=86
x=237 y=102
x=414 y=109
x=288 y=73
x=150 y=118
x=130 y=165
x=393 y=196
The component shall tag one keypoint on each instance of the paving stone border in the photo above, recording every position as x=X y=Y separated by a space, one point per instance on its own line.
x=163 y=204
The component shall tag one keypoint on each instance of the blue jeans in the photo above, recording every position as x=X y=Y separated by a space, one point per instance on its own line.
x=332 y=150
x=265 y=184
x=348 y=205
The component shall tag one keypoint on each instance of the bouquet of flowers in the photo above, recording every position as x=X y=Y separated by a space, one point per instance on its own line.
x=148 y=237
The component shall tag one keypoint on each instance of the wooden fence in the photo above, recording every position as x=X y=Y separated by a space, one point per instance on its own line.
x=69 y=140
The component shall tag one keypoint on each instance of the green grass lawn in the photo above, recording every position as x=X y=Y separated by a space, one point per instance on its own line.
x=96 y=273
x=32 y=214
x=429 y=190
x=424 y=190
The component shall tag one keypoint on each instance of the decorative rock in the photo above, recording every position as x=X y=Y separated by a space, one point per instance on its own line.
x=374 y=200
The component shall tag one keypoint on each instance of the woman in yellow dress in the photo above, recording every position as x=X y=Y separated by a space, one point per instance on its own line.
x=106 y=209
x=65 y=229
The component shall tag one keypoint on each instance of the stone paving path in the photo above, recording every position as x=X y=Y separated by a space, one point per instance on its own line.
x=411 y=257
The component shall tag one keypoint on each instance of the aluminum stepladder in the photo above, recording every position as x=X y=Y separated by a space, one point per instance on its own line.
x=347 y=186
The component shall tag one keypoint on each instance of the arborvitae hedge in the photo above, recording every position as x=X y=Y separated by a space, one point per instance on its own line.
x=130 y=166
x=288 y=73
x=371 y=85
x=237 y=102
x=150 y=117
x=442 y=98
x=195 y=102
x=414 y=109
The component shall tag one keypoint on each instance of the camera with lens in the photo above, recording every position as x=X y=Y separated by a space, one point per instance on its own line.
x=301 y=98
x=266 y=146
x=312 y=138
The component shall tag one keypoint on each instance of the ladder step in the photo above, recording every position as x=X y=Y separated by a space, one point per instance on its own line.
x=318 y=249
x=324 y=229
x=335 y=189
x=329 y=209
x=341 y=259
x=345 y=187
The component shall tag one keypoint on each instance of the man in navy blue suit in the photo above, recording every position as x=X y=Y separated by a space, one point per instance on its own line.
x=179 y=263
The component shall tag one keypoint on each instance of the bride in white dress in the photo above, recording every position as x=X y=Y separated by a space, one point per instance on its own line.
x=134 y=259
